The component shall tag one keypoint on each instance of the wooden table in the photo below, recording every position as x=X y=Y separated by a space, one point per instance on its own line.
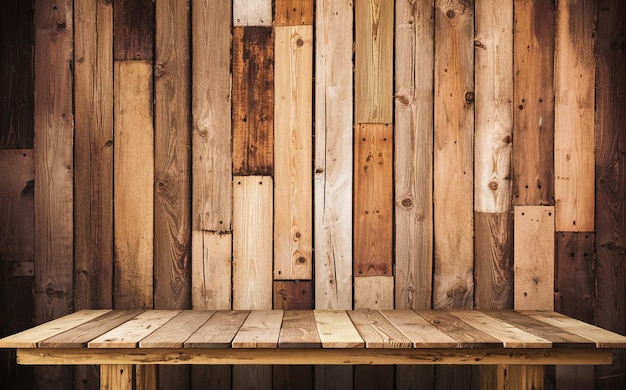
x=118 y=339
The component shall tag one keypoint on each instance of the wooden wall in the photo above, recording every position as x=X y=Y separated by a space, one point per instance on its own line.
x=294 y=154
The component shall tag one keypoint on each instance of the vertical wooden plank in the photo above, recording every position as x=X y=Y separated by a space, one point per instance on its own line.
x=611 y=183
x=293 y=220
x=53 y=164
x=16 y=75
x=574 y=116
x=373 y=200
x=253 y=100
x=373 y=73
x=293 y=294
x=453 y=165
x=373 y=292
x=293 y=12
x=373 y=377
x=333 y=155
x=575 y=288
x=334 y=377
x=133 y=30
x=252 y=12
x=534 y=255
x=116 y=376
x=211 y=271
x=133 y=189
x=292 y=377
x=413 y=151
x=252 y=243
x=533 y=115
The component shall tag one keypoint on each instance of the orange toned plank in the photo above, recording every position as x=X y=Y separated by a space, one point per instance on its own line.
x=299 y=330
x=260 y=330
x=336 y=330
x=116 y=376
x=218 y=331
x=377 y=331
x=373 y=292
x=293 y=12
x=176 y=331
x=421 y=333
x=131 y=332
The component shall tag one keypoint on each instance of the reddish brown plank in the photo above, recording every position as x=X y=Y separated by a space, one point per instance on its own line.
x=293 y=12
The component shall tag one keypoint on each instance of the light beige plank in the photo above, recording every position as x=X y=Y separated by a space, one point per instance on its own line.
x=176 y=331
x=421 y=333
x=336 y=330
x=129 y=334
x=116 y=376
x=252 y=12
x=377 y=331
x=219 y=330
x=211 y=273
x=293 y=143
x=373 y=292
x=260 y=330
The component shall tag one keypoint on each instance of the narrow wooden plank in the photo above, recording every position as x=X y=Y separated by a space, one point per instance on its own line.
x=336 y=330
x=31 y=337
x=130 y=333
x=533 y=115
x=293 y=12
x=421 y=333
x=574 y=69
x=260 y=330
x=93 y=155
x=134 y=29
x=253 y=100
x=252 y=13
x=574 y=270
x=602 y=337
x=511 y=336
x=373 y=72
x=377 y=331
x=211 y=115
x=333 y=154
x=299 y=330
x=176 y=331
x=413 y=150
x=293 y=126
x=453 y=326
x=293 y=294
x=79 y=336
x=453 y=162
x=252 y=243
x=373 y=200
x=493 y=44
x=533 y=252
x=373 y=292
x=610 y=184
x=116 y=376
x=211 y=270
x=133 y=185
x=219 y=330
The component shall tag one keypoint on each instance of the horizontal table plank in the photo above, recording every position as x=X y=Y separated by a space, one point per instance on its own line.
x=176 y=331
x=299 y=330
x=260 y=330
x=377 y=331
x=465 y=334
x=421 y=333
x=130 y=333
x=336 y=330
x=219 y=331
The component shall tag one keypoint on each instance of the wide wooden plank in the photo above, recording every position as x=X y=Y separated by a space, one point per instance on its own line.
x=293 y=144
x=418 y=330
x=533 y=252
x=574 y=271
x=176 y=331
x=336 y=330
x=116 y=376
x=30 y=337
x=134 y=29
x=373 y=292
x=377 y=331
x=130 y=333
x=333 y=154
x=293 y=12
x=79 y=336
x=453 y=326
x=574 y=74
x=373 y=200
x=252 y=12
x=373 y=73
x=260 y=330
x=219 y=330
x=299 y=330
x=211 y=273
x=252 y=243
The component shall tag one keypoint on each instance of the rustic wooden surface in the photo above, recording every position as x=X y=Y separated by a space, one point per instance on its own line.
x=133 y=27
x=252 y=12
x=293 y=12
x=373 y=292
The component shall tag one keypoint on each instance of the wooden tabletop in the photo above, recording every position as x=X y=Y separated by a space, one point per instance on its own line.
x=391 y=333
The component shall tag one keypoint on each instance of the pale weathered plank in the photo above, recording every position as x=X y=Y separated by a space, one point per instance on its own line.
x=252 y=243
x=299 y=330
x=421 y=333
x=211 y=270
x=373 y=73
x=219 y=330
x=377 y=331
x=574 y=69
x=131 y=332
x=252 y=12
x=336 y=330
x=293 y=12
x=333 y=155
x=534 y=257
x=293 y=129
x=373 y=292
x=176 y=331
x=260 y=330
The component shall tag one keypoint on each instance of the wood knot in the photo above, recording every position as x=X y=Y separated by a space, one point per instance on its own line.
x=450 y=14
x=406 y=202
x=469 y=97
x=493 y=186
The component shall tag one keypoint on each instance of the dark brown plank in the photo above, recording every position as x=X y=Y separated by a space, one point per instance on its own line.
x=253 y=100
x=292 y=377
x=466 y=335
x=133 y=29
x=299 y=330
x=293 y=294
x=293 y=12
x=373 y=377
x=218 y=331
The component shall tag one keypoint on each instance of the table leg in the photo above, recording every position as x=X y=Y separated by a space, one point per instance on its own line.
x=116 y=377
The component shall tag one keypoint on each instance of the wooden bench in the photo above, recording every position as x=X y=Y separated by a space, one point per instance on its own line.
x=117 y=339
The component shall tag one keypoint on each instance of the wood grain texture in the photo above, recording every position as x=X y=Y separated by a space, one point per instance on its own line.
x=133 y=27
x=373 y=200
x=133 y=186
x=533 y=251
x=299 y=330
x=413 y=151
x=253 y=100
x=177 y=331
x=417 y=329
x=293 y=294
x=574 y=70
x=373 y=66
x=130 y=333
x=252 y=243
x=336 y=330
x=533 y=115
x=252 y=13
x=116 y=376
x=610 y=272
x=373 y=292
x=218 y=331
x=260 y=330
x=211 y=115
x=293 y=145
x=293 y=12
x=455 y=327
x=493 y=43
x=377 y=331
x=453 y=165
x=252 y=377
x=333 y=154
x=211 y=271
